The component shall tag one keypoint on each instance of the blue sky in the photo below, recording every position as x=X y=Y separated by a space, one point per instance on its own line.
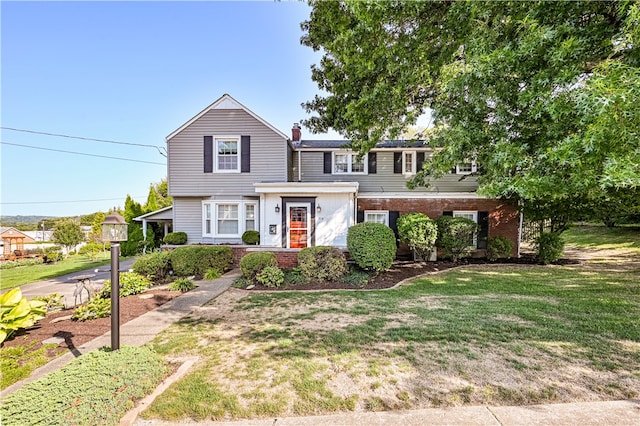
x=133 y=72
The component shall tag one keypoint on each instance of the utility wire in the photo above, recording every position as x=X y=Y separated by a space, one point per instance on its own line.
x=160 y=149
x=81 y=153
x=68 y=201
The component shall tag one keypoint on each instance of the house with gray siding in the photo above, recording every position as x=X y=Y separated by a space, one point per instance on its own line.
x=230 y=171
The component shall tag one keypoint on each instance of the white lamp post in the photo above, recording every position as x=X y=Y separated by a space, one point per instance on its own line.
x=114 y=229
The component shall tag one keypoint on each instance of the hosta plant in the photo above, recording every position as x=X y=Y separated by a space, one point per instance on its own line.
x=17 y=312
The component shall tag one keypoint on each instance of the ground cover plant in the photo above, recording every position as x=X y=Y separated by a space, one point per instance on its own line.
x=479 y=334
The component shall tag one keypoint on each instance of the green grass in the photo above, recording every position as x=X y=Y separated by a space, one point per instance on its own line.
x=620 y=237
x=478 y=335
x=22 y=275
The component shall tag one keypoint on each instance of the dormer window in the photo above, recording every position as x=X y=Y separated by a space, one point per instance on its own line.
x=408 y=162
x=466 y=168
x=344 y=163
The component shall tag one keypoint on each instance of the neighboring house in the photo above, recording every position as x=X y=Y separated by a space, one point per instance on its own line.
x=13 y=242
x=230 y=171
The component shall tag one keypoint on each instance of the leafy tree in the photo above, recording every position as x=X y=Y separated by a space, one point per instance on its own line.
x=96 y=227
x=544 y=96
x=68 y=234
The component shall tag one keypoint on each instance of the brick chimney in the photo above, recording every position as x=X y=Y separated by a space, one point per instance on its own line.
x=296 y=133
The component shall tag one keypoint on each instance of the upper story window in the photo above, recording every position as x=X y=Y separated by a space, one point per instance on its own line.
x=227 y=153
x=408 y=162
x=349 y=163
x=466 y=168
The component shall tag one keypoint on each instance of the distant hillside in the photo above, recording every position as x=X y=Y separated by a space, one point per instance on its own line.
x=23 y=219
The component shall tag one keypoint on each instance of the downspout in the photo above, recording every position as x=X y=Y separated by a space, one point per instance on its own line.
x=299 y=166
x=520 y=233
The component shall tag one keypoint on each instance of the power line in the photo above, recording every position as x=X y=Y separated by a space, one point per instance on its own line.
x=68 y=201
x=81 y=153
x=160 y=149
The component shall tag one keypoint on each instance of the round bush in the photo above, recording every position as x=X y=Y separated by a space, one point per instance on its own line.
x=251 y=237
x=455 y=236
x=251 y=264
x=270 y=276
x=499 y=247
x=155 y=266
x=549 y=247
x=419 y=232
x=175 y=238
x=323 y=263
x=372 y=245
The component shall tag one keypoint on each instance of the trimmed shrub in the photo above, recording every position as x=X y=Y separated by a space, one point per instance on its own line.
x=499 y=247
x=182 y=284
x=549 y=247
x=197 y=260
x=97 y=388
x=130 y=283
x=455 y=236
x=155 y=266
x=251 y=237
x=175 y=238
x=270 y=276
x=372 y=245
x=323 y=263
x=419 y=232
x=251 y=264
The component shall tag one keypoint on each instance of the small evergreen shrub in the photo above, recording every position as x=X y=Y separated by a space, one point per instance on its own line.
x=252 y=263
x=182 y=284
x=175 y=238
x=294 y=276
x=93 y=309
x=455 y=236
x=499 y=247
x=419 y=232
x=549 y=247
x=322 y=263
x=130 y=283
x=270 y=276
x=372 y=245
x=155 y=266
x=251 y=237
x=197 y=260
x=212 y=274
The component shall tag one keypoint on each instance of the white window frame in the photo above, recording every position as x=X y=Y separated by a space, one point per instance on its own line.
x=414 y=159
x=466 y=213
x=350 y=157
x=377 y=213
x=460 y=171
x=211 y=207
x=221 y=138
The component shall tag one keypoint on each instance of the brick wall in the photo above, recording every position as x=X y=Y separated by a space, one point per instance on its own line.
x=504 y=218
x=287 y=258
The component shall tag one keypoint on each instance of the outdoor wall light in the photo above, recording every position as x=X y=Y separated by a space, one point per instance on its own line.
x=318 y=209
x=114 y=230
x=277 y=208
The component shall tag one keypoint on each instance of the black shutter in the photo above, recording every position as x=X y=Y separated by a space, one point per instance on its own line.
x=208 y=154
x=327 y=162
x=397 y=162
x=359 y=216
x=447 y=213
x=453 y=171
x=372 y=158
x=483 y=229
x=393 y=224
x=245 y=154
x=419 y=161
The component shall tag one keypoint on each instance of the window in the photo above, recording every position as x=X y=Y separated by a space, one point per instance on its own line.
x=228 y=218
x=349 y=163
x=466 y=168
x=473 y=215
x=408 y=162
x=227 y=153
x=377 y=216
x=207 y=219
x=249 y=217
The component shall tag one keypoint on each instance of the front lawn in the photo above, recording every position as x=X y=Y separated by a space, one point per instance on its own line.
x=500 y=335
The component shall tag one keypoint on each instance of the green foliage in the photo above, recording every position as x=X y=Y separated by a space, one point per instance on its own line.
x=91 y=250
x=96 y=227
x=455 y=236
x=97 y=388
x=251 y=237
x=323 y=263
x=52 y=302
x=372 y=245
x=130 y=283
x=52 y=254
x=17 y=312
x=18 y=362
x=252 y=263
x=155 y=266
x=499 y=247
x=549 y=247
x=356 y=277
x=212 y=274
x=10 y=264
x=294 y=276
x=97 y=307
x=68 y=234
x=197 y=260
x=182 y=284
x=135 y=240
x=270 y=276
x=419 y=232
x=175 y=238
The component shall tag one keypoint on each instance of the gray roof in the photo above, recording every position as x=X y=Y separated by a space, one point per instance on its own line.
x=344 y=143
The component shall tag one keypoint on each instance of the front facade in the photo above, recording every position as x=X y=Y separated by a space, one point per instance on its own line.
x=230 y=171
